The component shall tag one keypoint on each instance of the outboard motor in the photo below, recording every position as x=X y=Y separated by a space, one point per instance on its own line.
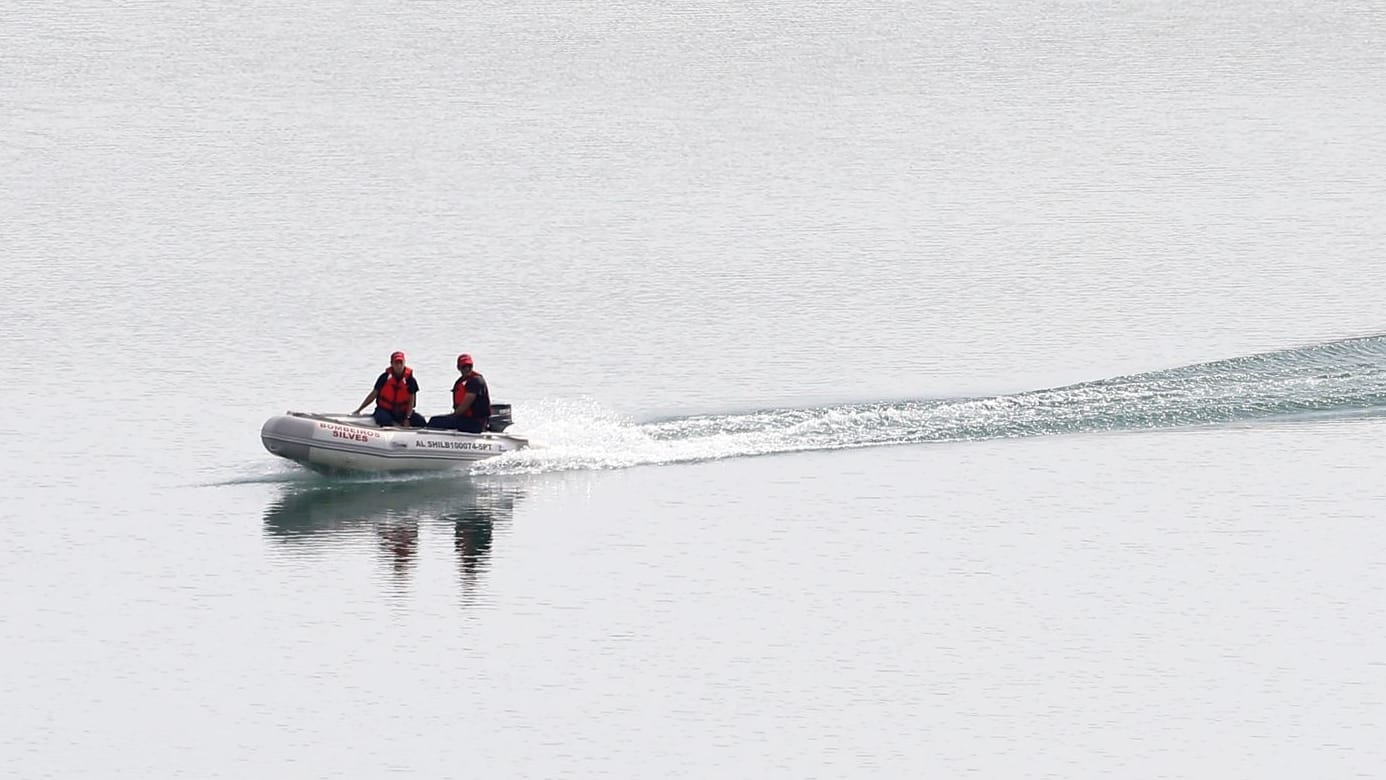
x=500 y=418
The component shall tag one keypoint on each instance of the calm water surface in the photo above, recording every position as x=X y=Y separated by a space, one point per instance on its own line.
x=974 y=390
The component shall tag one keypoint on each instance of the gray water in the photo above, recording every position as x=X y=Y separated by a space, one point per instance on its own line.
x=916 y=390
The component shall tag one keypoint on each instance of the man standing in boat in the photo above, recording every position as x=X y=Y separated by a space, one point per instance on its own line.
x=471 y=401
x=395 y=393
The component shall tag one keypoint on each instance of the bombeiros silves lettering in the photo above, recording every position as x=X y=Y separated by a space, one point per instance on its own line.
x=345 y=432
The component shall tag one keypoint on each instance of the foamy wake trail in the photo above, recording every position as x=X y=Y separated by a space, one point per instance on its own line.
x=1338 y=378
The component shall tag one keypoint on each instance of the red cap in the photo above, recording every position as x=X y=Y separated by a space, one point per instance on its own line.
x=464 y=359
x=397 y=356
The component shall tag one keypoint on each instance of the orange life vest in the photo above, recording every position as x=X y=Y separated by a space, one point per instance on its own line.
x=481 y=405
x=394 y=394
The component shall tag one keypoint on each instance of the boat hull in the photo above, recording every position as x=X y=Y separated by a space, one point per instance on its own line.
x=338 y=443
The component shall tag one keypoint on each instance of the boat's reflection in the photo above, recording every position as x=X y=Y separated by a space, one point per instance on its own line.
x=306 y=518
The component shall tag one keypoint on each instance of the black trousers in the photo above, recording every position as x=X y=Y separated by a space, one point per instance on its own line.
x=384 y=417
x=458 y=422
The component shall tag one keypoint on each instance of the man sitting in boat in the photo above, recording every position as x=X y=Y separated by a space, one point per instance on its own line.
x=471 y=401
x=395 y=393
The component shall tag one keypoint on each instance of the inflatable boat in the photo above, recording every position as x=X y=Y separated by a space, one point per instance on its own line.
x=354 y=443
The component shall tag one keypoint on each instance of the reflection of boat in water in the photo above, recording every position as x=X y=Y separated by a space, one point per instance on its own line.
x=332 y=506
x=309 y=518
